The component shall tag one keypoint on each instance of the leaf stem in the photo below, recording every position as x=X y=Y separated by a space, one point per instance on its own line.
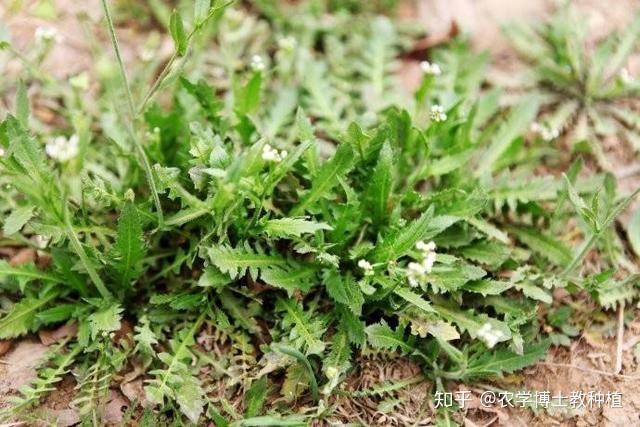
x=132 y=112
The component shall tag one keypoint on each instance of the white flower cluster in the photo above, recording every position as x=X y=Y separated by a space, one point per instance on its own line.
x=429 y=68
x=437 y=113
x=366 y=267
x=257 y=63
x=417 y=271
x=2 y=152
x=490 y=336
x=626 y=76
x=63 y=149
x=288 y=43
x=48 y=34
x=270 y=154
x=547 y=133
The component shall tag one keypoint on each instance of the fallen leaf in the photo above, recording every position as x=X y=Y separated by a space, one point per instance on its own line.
x=50 y=336
x=134 y=391
x=65 y=417
x=114 y=408
x=20 y=365
x=5 y=346
x=23 y=256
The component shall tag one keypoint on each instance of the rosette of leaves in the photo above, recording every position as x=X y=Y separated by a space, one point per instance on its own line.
x=586 y=89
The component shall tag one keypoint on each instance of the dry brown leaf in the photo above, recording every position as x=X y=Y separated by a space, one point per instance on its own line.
x=23 y=256
x=134 y=391
x=65 y=417
x=50 y=336
x=114 y=408
x=19 y=365
x=5 y=346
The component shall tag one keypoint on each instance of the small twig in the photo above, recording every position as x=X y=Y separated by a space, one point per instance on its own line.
x=620 y=338
x=593 y=371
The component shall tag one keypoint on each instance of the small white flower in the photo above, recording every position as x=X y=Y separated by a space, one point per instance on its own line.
x=2 y=152
x=48 y=34
x=490 y=336
x=63 y=149
x=288 y=43
x=366 y=266
x=429 y=68
x=437 y=113
x=331 y=372
x=147 y=54
x=257 y=63
x=426 y=247
x=41 y=241
x=546 y=133
x=625 y=76
x=270 y=154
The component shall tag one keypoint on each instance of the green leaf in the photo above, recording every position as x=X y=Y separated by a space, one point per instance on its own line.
x=293 y=227
x=327 y=177
x=490 y=364
x=452 y=277
x=105 y=320
x=515 y=125
x=247 y=97
x=415 y=299
x=236 y=261
x=344 y=290
x=305 y=330
x=17 y=219
x=377 y=195
x=176 y=28
x=298 y=277
x=255 y=397
x=129 y=245
x=633 y=232
x=380 y=335
x=201 y=10
x=553 y=250
x=22 y=317
x=22 y=104
x=588 y=216
x=399 y=243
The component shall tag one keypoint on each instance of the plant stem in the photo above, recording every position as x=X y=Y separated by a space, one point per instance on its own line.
x=84 y=259
x=586 y=247
x=132 y=112
x=156 y=84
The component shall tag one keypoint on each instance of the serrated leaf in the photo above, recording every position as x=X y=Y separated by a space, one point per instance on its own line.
x=504 y=361
x=518 y=121
x=402 y=241
x=380 y=335
x=22 y=317
x=550 y=248
x=236 y=261
x=105 y=319
x=129 y=245
x=327 y=177
x=344 y=290
x=377 y=194
x=293 y=227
